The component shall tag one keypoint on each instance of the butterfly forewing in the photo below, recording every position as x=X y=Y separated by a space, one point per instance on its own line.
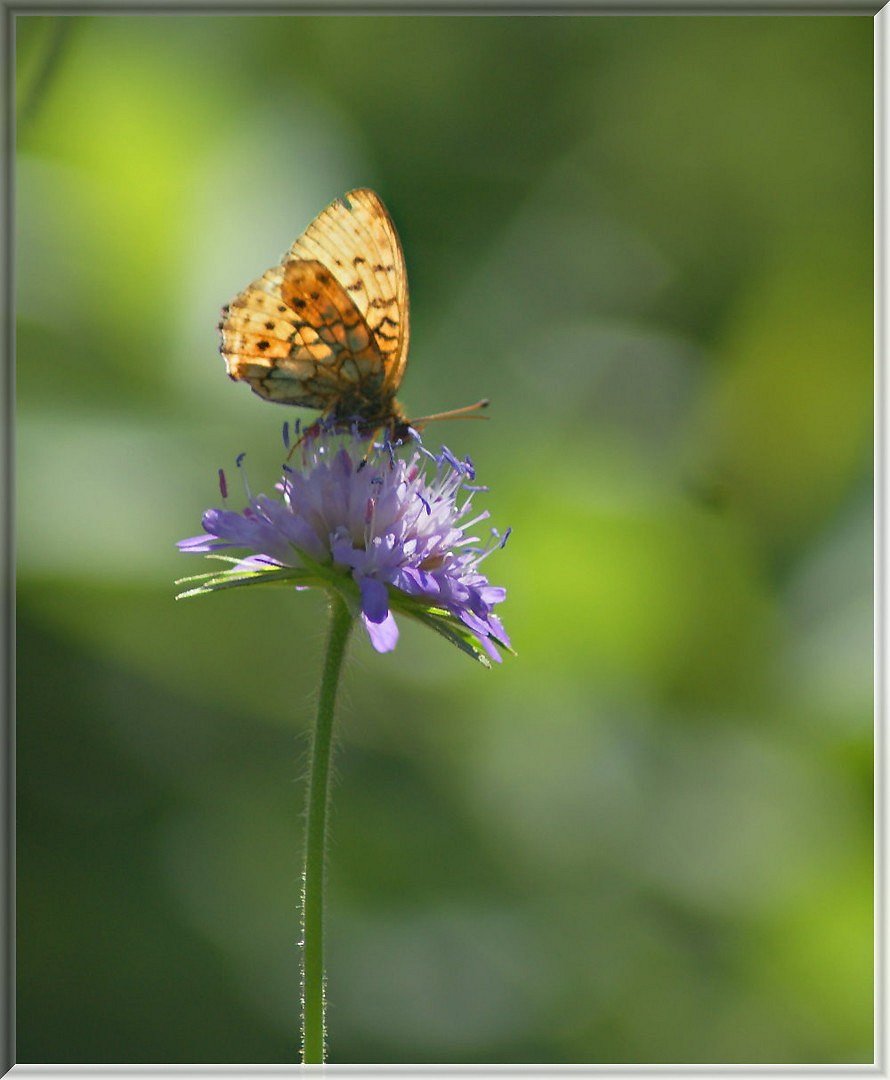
x=328 y=328
x=355 y=237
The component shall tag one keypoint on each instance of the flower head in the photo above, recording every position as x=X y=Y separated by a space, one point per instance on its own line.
x=390 y=532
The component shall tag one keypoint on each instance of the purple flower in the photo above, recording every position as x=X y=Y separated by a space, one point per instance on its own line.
x=392 y=533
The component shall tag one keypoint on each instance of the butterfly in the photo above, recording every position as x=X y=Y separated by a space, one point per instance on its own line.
x=328 y=328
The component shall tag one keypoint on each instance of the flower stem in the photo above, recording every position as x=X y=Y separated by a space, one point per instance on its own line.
x=316 y=824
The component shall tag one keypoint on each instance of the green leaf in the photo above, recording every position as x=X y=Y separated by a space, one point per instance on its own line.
x=229 y=580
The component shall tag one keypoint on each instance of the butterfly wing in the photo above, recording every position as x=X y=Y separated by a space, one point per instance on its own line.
x=296 y=337
x=357 y=240
x=327 y=328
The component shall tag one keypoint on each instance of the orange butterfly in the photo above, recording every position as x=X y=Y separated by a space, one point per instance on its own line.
x=328 y=328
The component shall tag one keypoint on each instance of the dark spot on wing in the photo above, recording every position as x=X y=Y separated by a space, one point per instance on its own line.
x=262 y=345
x=270 y=326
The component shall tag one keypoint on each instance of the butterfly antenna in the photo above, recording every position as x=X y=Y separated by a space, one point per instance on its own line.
x=467 y=412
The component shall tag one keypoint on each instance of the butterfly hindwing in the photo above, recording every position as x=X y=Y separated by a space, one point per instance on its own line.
x=296 y=337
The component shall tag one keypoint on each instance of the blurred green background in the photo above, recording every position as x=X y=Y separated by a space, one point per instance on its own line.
x=648 y=838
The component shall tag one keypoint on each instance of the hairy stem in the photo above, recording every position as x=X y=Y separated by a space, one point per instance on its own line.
x=316 y=825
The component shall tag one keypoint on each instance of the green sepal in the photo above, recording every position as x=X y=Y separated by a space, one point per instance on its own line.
x=288 y=576
x=318 y=575
x=450 y=629
x=443 y=622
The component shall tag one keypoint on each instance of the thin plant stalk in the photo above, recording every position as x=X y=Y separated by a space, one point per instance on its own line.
x=316 y=827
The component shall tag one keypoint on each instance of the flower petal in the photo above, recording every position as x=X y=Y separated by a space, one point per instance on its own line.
x=375 y=599
x=491 y=649
x=197 y=543
x=493 y=594
x=383 y=635
x=498 y=631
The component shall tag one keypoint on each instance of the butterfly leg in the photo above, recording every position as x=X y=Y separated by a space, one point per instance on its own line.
x=310 y=432
x=369 y=446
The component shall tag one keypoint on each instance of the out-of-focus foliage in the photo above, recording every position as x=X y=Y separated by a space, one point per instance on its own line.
x=646 y=839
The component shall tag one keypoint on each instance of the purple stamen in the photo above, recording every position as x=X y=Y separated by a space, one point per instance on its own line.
x=223 y=486
x=452 y=460
x=285 y=435
x=239 y=460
